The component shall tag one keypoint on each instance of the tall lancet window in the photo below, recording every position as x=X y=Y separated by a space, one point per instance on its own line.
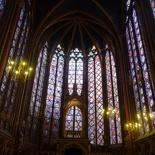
x=95 y=99
x=152 y=2
x=113 y=101
x=140 y=75
x=75 y=73
x=9 y=86
x=53 y=99
x=36 y=98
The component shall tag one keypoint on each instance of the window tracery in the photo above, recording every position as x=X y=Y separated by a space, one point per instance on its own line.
x=75 y=72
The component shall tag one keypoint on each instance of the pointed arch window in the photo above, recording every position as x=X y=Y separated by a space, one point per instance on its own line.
x=95 y=99
x=75 y=73
x=53 y=99
x=113 y=100
x=9 y=93
x=140 y=75
x=73 y=126
x=37 y=93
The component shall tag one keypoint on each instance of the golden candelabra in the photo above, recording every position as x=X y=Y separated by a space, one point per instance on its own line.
x=135 y=128
x=136 y=125
x=132 y=126
x=17 y=71
x=145 y=116
x=109 y=112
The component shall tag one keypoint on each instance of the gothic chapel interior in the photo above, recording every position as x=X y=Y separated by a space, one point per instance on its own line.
x=77 y=77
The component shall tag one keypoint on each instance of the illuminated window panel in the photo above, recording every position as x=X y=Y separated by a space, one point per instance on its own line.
x=75 y=72
x=53 y=99
x=71 y=75
x=128 y=4
x=36 y=97
x=95 y=99
x=16 y=51
x=145 y=71
x=134 y=72
x=79 y=75
x=113 y=101
x=73 y=124
x=143 y=62
x=91 y=100
x=14 y=45
x=139 y=71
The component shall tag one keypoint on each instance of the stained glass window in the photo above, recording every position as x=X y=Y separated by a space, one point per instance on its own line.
x=53 y=99
x=37 y=92
x=139 y=72
x=95 y=99
x=153 y=6
x=75 y=74
x=16 y=53
x=2 y=6
x=128 y=4
x=73 y=124
x=113 y=100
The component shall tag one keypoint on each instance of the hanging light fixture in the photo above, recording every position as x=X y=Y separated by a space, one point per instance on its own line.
x=132 y=126
x=17 y=71
x=109 y=112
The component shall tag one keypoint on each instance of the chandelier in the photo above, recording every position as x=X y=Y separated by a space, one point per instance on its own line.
x=109 y=112
x=18 y=70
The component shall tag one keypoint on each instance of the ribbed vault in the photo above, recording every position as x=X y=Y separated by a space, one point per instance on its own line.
x=78 y=23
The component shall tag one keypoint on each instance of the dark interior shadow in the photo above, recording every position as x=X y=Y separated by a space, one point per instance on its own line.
x=73 y=151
